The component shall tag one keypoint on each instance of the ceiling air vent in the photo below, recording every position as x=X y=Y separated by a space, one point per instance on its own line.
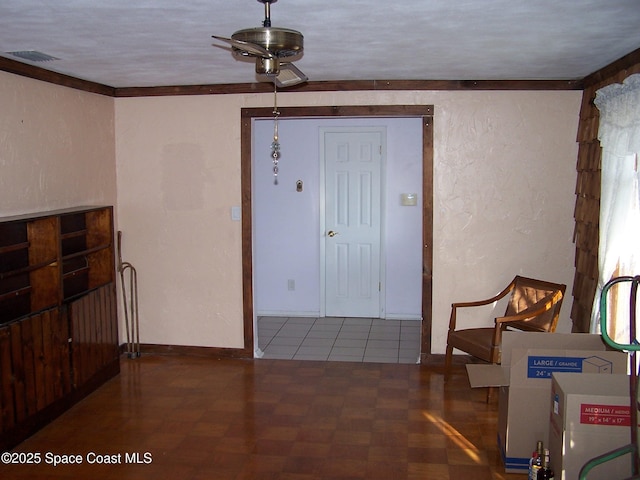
x=33 y=56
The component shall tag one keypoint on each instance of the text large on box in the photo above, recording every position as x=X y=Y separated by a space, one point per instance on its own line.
x=543 y=366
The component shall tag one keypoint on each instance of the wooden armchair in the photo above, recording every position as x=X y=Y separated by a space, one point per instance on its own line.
x=534 y=306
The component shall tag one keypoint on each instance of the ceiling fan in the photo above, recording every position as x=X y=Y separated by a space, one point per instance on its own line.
x=274 y=48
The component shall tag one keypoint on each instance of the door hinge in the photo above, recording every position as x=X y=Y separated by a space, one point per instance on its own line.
x=379 y=286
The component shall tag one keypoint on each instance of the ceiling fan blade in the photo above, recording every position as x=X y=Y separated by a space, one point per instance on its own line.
x=289 y=75
x=250 y=48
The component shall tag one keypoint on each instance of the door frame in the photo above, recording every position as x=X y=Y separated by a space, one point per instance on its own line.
x=323 y=227
x=246 y=136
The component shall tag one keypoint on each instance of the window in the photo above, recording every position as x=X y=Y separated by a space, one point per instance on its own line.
x=619 y=249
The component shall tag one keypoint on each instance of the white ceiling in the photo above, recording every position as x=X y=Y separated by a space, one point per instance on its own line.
x=137 y=43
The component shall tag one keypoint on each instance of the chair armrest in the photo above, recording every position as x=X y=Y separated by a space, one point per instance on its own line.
x=478 y=303
x=487 y=301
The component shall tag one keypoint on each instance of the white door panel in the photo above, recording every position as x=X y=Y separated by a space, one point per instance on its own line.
x=352 y=221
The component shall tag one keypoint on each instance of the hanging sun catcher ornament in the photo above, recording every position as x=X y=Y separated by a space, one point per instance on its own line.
x=275 y=145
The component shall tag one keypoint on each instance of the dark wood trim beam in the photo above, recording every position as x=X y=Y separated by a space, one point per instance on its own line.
x=37 y=73
x=427 y=236
x=246 y=141
x=477 y=85
x=178 y=90
x=341 y=111
x=616 y=68
x=352 y=85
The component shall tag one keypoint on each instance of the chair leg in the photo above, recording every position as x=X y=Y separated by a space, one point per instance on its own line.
x=448 y=361
x=490 y=394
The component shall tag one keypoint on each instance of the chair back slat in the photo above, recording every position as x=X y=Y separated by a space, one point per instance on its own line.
x=530 y=294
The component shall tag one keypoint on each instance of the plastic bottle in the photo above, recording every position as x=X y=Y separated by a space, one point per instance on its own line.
x=546 y=472
x=536 y=461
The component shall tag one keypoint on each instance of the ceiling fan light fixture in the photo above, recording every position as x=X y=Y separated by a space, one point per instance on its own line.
x=269 y=46
x=280 y=42
x=289 y=75
x=267 y=66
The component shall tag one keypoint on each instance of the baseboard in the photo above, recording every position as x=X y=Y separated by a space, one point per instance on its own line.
x=403 y=316
x=212 y=352
x=388 y=316
x=431 y=359
x=280 y=313
x=439 y=358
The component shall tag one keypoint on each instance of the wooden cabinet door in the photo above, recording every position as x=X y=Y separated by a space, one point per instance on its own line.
x=94 y=333
x=34 y=366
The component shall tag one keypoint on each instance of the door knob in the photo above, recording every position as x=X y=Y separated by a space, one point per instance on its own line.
x=331 y=233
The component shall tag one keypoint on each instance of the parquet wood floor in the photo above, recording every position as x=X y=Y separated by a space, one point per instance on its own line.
x=193 y=418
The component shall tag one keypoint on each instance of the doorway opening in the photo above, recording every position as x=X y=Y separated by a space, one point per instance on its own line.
x=424 y=113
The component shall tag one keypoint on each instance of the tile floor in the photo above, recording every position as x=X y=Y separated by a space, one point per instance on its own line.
x=339 y=339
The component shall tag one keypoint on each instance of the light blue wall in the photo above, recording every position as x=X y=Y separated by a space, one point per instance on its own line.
x=287 y=223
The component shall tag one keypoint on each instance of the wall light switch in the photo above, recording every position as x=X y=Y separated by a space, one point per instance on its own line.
x=409 y=199
x=236 y=213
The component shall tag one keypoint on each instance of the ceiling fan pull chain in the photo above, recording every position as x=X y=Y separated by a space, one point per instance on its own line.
x=275 y=145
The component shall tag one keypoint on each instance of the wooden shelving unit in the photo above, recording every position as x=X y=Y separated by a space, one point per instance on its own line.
x=58 y=321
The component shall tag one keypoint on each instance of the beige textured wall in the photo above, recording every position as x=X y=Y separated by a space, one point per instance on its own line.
x=504 y=174
x=57 y=147
x=504 y=178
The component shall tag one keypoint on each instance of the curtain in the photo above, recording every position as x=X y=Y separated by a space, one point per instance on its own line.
x=619 y=248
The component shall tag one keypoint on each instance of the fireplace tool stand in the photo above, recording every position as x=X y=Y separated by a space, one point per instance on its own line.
x=129 y=285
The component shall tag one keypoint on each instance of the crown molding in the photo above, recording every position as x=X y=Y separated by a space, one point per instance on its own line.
x=629 y=61
x=38 y=73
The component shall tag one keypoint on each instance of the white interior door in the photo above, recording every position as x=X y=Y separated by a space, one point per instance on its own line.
x=352 y=221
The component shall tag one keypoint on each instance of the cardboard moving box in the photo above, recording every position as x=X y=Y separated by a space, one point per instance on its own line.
x=590 y=416
x=528 y=361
